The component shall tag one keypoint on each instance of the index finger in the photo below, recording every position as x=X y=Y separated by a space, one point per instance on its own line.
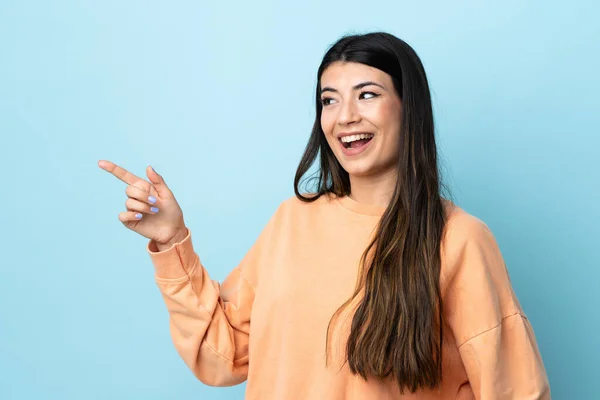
x=119 y=172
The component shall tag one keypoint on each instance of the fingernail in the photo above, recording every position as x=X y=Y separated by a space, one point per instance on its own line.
x=154 y=209
x=138 y=216
x=152 y=199
x=154 y=170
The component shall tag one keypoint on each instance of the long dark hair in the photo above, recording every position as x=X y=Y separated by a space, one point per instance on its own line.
x=397 y=327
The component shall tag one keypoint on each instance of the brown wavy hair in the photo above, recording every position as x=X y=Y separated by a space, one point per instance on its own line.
x=396 y=329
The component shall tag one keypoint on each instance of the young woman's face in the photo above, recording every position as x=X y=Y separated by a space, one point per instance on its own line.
x=361 y=100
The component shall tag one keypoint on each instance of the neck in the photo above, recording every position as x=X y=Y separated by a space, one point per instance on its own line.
x=373 y=190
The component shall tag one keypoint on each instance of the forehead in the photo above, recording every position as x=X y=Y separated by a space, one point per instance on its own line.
x=341 y=74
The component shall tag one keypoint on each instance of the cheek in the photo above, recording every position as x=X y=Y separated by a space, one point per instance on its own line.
x=326 y=123
x=389 y=114
x=390 y=120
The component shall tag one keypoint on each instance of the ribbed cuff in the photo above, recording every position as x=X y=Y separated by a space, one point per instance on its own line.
x=175 y=262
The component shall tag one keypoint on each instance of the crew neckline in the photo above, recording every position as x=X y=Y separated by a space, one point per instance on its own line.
x=361 y=208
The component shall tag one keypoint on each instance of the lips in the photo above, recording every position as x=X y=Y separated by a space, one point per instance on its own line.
x=354 y=143
x=345 y=134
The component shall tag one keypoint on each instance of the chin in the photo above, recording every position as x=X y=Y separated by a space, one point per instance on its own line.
x=359 y=169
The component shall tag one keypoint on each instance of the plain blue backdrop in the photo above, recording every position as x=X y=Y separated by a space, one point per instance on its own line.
x=218 y=97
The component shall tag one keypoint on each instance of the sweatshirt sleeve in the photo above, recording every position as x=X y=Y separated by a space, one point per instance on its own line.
x=209 y=322
x=495 y=339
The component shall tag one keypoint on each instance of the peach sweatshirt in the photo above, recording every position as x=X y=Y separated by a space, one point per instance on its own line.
x=267 y=322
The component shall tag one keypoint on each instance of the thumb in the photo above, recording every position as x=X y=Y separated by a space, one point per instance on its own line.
x=158 y=182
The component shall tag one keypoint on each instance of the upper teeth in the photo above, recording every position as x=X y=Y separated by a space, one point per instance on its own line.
x=347 y=139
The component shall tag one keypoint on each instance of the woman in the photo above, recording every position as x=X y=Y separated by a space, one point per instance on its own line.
x=372 y=286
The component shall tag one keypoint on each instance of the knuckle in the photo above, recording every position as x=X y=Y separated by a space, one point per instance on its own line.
x=129 y=190
x=142 y=184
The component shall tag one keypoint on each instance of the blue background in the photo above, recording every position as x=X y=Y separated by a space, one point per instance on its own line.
x=218 y=97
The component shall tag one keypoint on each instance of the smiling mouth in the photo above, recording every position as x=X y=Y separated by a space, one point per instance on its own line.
x=356 y=141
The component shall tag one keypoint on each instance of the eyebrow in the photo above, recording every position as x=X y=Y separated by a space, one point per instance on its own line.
x=355 y=87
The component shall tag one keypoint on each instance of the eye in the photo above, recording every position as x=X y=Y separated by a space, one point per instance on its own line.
x=326 y=101
x=364 y=94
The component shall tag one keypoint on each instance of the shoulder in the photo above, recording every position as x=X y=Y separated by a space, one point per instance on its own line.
x=295 y=205
x=469 y=250
x=299 y=215
x=463 y=229
x=474 y=279
x=473 y=267
x=461 y=224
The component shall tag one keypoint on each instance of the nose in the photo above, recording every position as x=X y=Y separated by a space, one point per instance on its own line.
x=348 y=113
